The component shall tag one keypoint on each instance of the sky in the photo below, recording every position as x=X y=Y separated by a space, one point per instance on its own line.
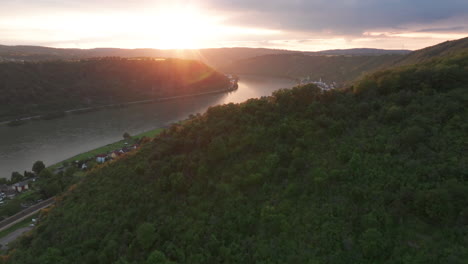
x=308 y=25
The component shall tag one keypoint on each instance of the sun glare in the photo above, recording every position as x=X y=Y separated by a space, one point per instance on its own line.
x=170 y=26
x=178 y=28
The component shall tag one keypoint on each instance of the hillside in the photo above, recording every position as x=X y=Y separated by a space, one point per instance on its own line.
x=341 y=66
x=33 y=88
x=214 y=57
x=447 y=48
x=373 y=174
x=363 y=52
x=338 y=69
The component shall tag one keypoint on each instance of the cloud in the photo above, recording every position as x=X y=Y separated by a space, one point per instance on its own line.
x=339 y=16
x=305 y=24
x=443 y=29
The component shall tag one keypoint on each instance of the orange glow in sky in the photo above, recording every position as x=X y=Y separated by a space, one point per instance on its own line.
x=190 y=25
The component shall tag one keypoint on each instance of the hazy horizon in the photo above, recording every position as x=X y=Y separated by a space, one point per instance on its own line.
x=169 y=49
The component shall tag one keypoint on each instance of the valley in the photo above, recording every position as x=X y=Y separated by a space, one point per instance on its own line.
x=58 y=139
x=364 y=162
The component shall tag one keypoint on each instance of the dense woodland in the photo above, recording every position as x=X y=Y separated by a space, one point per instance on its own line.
x=33 y=88
x=213 y=57
x=373 y=174
x=343 y=67
x=340 y=69
x=448 y=48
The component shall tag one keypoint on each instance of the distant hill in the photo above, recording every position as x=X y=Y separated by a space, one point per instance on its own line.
x=214 y=57
x=440 y=50
x=338 y=69
x=373 y=174
x=363 y=52
x=32 y=88
x=340 y=66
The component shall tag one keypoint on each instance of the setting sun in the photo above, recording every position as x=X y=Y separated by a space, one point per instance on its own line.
x=178 y=27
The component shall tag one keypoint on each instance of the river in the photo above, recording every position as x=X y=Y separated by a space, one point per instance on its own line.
x=55 y=140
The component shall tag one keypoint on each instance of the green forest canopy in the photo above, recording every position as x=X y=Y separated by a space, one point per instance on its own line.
x=372 y=174
x=32 y=88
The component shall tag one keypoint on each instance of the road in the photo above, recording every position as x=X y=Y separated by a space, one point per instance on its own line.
x=13 y=236
x=25 y=213
x=19 y=217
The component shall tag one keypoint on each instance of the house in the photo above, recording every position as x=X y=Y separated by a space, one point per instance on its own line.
x=21 y=186
x=101 y=158
x=115 y=154
x=134 y=146
x=125 y=150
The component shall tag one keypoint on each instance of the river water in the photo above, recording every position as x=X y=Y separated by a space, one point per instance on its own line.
x=55 y=140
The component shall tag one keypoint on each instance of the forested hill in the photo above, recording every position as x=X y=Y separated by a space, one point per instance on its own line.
x=33 y=88
x=362 y=52
x=447 y=48
x=341 y=66
x=338 y=69
x=213 y=57
x=373 y=174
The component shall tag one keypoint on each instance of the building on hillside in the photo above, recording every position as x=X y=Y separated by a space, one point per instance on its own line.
x=21 y=186
x=101 y=158
x=115 y=154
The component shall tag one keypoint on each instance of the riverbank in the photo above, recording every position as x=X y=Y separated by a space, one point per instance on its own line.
x=104 y=149
x=19 y=121
x=54 y=140
x=22 y=219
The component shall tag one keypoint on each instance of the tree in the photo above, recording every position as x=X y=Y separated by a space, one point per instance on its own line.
x=49 y=184
x=126 y=136
x=157 y=257
x=146 y=235
x=28 y=174
x=16 y=177
x=38 y=166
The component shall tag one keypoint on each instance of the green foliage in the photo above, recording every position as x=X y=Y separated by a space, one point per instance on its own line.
x=50 y=87
x=146 y=235
x=338 y=69
x=50 y=184
x=440 y=50
x=157 y=257
x=38 y=166
x=16 y=177
x=377 y=175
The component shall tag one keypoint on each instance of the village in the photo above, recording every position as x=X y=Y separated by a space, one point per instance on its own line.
x=26 y=190
x=87 y=163
x=22 y=196
x=321 y=84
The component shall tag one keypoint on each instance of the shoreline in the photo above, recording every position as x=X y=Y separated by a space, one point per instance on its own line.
x=150 y=133
x=109 y=106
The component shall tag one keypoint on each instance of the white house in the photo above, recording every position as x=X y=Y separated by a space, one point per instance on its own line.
x=21 y=186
